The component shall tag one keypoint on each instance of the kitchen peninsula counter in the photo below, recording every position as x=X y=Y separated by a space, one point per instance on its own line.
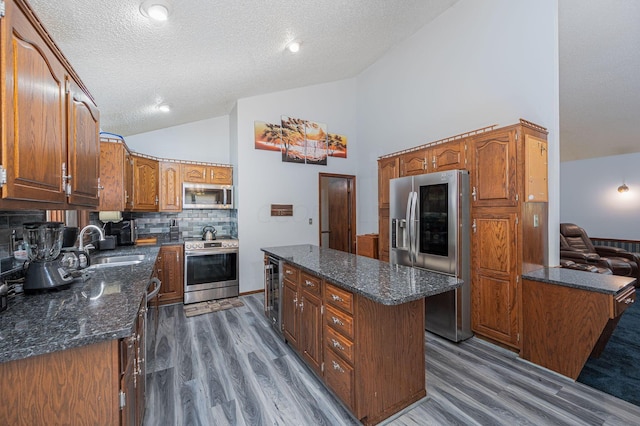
x=358 y=323
x=104 y=307
x=568 y=316
x=379 y=281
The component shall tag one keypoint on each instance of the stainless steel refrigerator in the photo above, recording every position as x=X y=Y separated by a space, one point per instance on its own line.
x=429 y=229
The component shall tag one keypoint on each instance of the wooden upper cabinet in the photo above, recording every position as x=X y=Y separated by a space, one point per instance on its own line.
x=414 y=162
x=170 y=187
x=535 y=169
x=388 y=168
x=493 y=172
x=112 y=166
x=34 y=146
x=198 y=173
x=84 y=148
x=447 y=156
x=145 y=184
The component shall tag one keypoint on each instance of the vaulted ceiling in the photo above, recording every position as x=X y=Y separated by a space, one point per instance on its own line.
x=211 y=53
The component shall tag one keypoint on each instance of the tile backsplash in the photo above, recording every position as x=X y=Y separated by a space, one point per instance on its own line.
x=12 y=221
x=190 y=222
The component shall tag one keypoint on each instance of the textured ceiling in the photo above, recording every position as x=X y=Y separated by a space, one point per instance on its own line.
x=211 y=53
x=599 y=49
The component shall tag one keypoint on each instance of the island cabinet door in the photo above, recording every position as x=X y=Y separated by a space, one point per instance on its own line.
x=311 y=330
x=290 y=302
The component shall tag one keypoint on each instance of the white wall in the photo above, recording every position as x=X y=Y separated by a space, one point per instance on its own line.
x=590 y=197
x=479 y=63
x=263 y=179
x=204 y=140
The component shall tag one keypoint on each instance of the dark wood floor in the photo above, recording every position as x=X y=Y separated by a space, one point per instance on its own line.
x=229 y=368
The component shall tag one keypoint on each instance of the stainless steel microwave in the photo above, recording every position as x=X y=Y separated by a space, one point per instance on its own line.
x=206 y=196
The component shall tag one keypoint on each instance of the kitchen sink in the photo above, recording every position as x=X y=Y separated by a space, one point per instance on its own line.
x=109 y=261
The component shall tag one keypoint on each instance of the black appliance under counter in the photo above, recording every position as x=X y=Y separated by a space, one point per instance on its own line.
x=379 y=281
x=104 y=307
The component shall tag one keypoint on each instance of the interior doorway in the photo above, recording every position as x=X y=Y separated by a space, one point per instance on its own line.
x=337 y=212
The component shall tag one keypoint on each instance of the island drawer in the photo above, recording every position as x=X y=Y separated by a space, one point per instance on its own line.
x=310 y=283
x=339 y=376
x=339 y=344
x=338 y=297
x=290 y=273
x=623 y=301
x=339 y=320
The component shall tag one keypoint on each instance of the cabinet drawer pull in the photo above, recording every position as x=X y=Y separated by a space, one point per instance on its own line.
x=337 y=321
x=628 y=300
x=309 y=283
x=336 y=366
x=337 y=298
x=337 y=344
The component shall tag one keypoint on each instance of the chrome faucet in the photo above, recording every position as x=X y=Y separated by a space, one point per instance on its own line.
x=81 y=236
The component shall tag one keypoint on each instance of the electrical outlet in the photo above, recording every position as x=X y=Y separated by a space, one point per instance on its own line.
x=310 y=221
x=536 y=221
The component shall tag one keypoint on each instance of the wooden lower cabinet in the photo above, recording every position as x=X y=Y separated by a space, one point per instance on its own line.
x=370 y=355
x=170 y=271
x=81 y=385
x=367 y=245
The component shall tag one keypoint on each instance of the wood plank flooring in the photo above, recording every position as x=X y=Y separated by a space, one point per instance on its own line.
x=230 y=368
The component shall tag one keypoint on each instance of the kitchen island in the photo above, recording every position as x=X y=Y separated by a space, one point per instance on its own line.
x=358 y=323
x=68 y=356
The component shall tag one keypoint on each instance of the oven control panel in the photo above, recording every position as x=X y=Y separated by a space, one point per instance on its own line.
x=202 y=245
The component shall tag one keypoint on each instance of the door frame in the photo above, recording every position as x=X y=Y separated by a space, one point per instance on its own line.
x=352 y=184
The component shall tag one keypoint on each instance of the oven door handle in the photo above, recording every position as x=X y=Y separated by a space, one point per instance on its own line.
x=210 y=252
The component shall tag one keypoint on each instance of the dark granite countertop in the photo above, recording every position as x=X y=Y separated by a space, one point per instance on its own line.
x=608 y=284
x=104 y=307
x=379 y=281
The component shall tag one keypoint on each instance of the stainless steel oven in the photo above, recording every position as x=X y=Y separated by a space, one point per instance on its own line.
x=210 y=270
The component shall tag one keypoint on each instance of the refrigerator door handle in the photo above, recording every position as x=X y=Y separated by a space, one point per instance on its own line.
x=407 y=233
x=414 y=227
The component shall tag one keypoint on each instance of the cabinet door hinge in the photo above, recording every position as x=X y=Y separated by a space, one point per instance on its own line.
x=2 y=9
x=517 y=197
x=3 y=176
x=517 y=220
x=518 y=336
x=321 y=309
x=123 y=399
x=322 y=367
x=67 y=86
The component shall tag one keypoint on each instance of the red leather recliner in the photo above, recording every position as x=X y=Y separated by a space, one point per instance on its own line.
x=576 y=246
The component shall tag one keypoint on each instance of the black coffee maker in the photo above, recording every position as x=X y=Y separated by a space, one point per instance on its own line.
x=125 y=231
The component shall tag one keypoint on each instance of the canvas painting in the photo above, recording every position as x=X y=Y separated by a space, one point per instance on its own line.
x=337 y=145
x=267 y=136
x=316 y=143
x=293 y=139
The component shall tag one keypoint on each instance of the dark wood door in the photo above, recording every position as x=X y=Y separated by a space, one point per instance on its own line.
x=34 y=149
x=83 y=147
x=337 y=212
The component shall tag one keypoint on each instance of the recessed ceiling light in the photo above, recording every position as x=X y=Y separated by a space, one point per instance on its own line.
x=158 y=10
x=293 y=46
x=164 y=107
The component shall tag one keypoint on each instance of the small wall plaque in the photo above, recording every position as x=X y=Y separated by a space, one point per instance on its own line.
x=281 y=209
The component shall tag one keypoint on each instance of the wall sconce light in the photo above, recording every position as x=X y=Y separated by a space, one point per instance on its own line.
x=623 y=188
